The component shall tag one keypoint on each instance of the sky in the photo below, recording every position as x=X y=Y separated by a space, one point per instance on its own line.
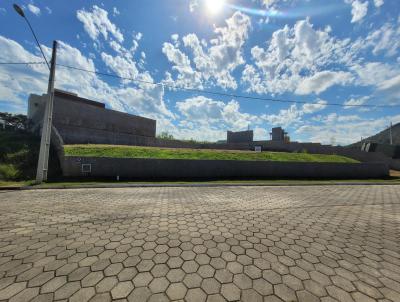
x=171 y=53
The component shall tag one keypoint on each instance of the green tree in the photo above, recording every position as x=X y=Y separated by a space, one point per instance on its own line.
x=165 y=135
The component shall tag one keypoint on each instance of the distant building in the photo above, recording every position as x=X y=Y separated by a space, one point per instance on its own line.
x=80 y=121
x=279 y=135
x=240 y=137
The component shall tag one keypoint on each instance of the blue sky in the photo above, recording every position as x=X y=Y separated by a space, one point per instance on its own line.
x=336 y=51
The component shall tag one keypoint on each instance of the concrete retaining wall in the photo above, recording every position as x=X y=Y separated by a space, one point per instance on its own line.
x=217 y=169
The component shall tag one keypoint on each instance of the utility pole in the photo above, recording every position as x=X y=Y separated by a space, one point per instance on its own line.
x=390 y=133
x=43 y=162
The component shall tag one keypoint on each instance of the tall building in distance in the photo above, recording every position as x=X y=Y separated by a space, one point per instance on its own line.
x=278 y=134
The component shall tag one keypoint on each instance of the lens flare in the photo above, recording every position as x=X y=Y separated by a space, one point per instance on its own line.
x=215 y=6
x=298 y=12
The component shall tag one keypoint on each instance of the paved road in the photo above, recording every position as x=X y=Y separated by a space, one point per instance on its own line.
x=201 y=244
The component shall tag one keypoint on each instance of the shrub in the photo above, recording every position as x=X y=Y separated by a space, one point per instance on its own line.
x=8 y=172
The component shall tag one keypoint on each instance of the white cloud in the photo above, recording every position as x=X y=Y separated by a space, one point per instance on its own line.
x=96 y=22
x=17 y=82
x=3 y=10
x=345 y=129
x=49 y=10
x=204 y=111
x=294 y=59
x=384 y=40
x=193 y=4
x=351 y=103
x=314 y=107
x=186 y=75
x=34 y=9
x=285 y=117
x=293 y=115
x=116 y=12
x=213 y=61
x=378 y=3
x=391 y=89
x=321 y=81
x=359 y=10
x=373 y=73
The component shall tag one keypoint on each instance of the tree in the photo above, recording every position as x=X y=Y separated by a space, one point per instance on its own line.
x=165 y=135
x=14 y=121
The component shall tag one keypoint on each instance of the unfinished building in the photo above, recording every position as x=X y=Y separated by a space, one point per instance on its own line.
x=81 y=121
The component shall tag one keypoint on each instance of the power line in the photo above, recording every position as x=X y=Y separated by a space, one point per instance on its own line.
x=22 y=63
x=224 y=94
x=232 y=95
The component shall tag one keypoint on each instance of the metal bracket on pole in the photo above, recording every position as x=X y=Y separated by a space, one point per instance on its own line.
x=43 y=162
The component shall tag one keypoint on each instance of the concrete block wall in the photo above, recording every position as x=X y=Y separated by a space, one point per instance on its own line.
x=218 y=169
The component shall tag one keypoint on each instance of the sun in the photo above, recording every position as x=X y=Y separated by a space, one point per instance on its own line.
x=215 y=6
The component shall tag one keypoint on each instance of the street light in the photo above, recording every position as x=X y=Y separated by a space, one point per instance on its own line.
x=20 y=12
x=43 y=162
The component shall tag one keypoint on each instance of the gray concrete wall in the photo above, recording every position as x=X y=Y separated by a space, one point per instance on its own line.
x=239 y=137
x=216 y=169
x=72 y=114
x=79 y=120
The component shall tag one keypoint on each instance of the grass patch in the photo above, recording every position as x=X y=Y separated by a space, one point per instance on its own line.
x=196 y=154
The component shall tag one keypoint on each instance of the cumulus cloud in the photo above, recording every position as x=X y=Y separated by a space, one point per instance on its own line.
x=378 y=3
x=294 y=59
x=213 y=61
x=355 y=102
x=17 y=82
x=34 y=9
x=321 y=81
x=314 y=107
x=344 y=129
x=359 y=10
x=193 y=4
x=384 y=40
x=116 y=12
x=391 y=89
x=293 y=115
x=205 y=111
x=96 y=22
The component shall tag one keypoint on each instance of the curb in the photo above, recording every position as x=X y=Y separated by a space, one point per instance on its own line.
x=196 y=185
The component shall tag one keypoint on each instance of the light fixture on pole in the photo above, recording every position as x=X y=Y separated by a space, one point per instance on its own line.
x=20 y=12
x=43 y=162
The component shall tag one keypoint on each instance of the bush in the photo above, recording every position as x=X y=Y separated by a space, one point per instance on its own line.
x=8 y=172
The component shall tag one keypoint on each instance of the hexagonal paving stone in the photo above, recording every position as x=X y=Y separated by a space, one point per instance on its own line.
x=230 y=292
x=251 y=295
x=175 y=275
x=122 y=290
x=142 y=279
x=192 y=280
x=159 y=285
x=211 y=286
x=195 y=295
x=139 y=294
x=176 y=291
